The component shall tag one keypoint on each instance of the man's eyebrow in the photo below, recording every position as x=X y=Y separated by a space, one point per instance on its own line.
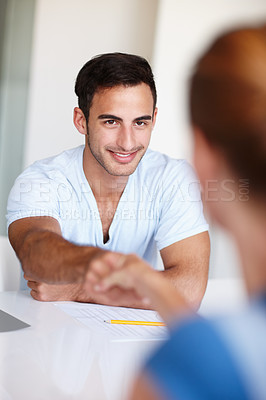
x=109 y=116
x=144 y=117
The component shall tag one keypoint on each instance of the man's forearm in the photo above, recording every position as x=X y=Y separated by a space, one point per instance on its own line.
x=46 y=256
x=55 y=270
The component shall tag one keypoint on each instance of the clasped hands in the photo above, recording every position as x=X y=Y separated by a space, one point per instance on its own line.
x=126 y=273
x=110 y=278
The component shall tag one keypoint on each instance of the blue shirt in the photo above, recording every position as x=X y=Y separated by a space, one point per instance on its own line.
x=221 y=359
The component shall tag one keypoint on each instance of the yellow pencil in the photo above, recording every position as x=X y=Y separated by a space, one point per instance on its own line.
x=125 y=322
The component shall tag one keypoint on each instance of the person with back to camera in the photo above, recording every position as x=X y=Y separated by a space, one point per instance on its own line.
x=111 y=195
x=220 y=358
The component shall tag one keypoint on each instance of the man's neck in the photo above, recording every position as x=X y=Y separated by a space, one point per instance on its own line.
x=104 y=185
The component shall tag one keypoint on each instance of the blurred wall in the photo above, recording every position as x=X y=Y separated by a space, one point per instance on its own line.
x=66 y=35
x=16 y=23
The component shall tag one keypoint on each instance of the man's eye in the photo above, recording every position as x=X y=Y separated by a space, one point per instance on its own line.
x=110 y=122
x=140 y=123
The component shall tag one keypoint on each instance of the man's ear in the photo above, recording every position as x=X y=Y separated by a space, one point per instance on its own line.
x=154 y=117
x=80 y=121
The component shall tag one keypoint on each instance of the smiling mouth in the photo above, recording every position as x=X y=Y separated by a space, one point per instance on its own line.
x=123 y=157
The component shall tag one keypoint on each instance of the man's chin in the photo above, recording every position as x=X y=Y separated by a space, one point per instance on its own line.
x=121 y=172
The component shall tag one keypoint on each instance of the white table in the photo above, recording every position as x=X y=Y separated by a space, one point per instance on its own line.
x=59 y=358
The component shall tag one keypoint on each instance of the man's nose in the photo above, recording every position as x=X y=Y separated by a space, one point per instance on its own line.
x=126 y=139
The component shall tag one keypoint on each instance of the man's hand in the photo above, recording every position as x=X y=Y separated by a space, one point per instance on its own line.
x=110 y=282
x=130 y=273
x=83 y=293
x=47 y=292
x=186 y=270
x=119 y=271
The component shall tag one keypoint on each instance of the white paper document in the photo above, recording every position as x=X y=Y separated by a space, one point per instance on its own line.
x=94 y=317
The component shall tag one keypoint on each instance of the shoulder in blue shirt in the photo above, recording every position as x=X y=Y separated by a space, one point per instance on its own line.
x=195 y=364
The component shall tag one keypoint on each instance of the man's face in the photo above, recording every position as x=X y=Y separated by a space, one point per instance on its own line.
x=119 y=127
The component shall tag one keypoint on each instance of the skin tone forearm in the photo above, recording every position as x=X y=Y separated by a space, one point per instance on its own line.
x=55 y=268
x=47 y=257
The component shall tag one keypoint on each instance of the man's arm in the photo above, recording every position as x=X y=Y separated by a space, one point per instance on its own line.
x=45 y=255
x=48 y=259
x=186 y=265
x=55 y=268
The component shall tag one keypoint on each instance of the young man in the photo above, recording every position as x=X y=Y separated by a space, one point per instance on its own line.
x=111 y=195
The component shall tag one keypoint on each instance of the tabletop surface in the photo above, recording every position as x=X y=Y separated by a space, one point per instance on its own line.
x=57 y=357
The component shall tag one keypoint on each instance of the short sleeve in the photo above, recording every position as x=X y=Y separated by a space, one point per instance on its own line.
x=33 y=194
x=181 y=210
x=196 y=364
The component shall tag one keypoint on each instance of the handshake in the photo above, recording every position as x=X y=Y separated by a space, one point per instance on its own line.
x=126 y=272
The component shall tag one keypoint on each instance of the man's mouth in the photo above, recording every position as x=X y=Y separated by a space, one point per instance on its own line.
x=123 y=157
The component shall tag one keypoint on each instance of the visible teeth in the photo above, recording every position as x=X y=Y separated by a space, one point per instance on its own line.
x=122 y=155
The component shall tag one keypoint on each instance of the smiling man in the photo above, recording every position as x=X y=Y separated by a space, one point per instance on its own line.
x=110 y=195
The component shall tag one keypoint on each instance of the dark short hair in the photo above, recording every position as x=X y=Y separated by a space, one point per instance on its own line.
x=228 y=101
x=110 y=70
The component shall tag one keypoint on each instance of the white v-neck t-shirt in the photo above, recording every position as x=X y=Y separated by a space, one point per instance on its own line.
x=160 y=205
